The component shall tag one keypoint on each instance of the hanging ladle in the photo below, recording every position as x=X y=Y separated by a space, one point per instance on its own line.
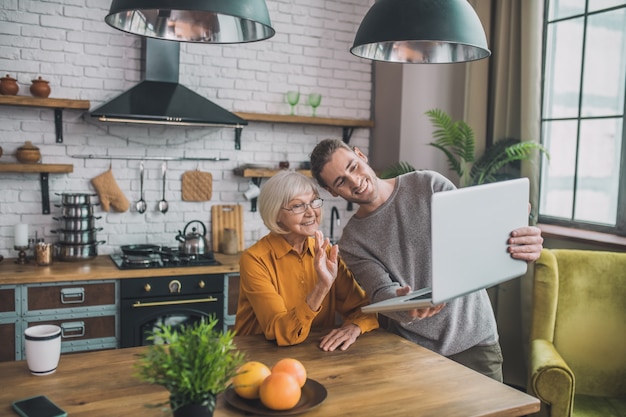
x=141 y=204
x=163 y=206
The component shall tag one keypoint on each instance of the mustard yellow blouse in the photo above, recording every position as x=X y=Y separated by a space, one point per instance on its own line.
x=275 y=281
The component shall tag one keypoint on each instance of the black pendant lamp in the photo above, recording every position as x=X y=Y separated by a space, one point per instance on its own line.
x=203 y=21
x=421 y=32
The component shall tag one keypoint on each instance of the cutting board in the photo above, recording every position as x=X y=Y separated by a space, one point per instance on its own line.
x=225 y=216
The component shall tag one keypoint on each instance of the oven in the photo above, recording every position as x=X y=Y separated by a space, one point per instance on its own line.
x=175 y=300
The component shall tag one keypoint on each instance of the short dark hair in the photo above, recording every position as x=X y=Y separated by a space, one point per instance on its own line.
x=322 y=153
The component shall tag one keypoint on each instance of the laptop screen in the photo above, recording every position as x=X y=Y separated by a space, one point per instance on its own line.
x=470 y=228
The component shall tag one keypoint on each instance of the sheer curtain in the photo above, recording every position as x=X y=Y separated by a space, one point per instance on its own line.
x=511 y=86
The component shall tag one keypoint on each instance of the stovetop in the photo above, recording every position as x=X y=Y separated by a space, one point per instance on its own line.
x=165 y=258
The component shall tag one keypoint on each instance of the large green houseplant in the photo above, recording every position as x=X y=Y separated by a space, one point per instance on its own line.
x=457 y=141
x=194 y=363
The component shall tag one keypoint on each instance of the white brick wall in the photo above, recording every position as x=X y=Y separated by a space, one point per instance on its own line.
x=68 y=43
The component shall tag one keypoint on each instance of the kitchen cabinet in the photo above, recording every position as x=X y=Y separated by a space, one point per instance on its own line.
x=9 y=318
x=58 y=104
x=85 y=311
x=84 y=298
x=231 y=291
x=347 y=125
x=44 y=171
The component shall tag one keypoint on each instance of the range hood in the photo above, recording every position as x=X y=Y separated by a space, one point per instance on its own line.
x=160 y=99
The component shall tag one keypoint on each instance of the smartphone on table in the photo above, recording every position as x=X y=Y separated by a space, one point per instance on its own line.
x=39 y=406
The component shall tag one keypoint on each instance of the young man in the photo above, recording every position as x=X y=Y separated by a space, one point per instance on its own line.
x=386 y=244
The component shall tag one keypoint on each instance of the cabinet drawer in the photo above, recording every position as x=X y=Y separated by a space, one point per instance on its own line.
x=82 y=328
x=70 y=295
x=7 y=346
x=7 y=300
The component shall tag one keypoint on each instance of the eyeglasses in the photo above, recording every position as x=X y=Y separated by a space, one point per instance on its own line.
x=301 y=208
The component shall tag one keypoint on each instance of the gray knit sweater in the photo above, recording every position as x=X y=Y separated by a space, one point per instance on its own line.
x=391 y=247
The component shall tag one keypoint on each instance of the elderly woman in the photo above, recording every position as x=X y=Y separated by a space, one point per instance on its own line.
x=292 y=282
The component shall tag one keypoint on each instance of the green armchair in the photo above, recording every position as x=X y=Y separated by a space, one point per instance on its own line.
x=578 y=333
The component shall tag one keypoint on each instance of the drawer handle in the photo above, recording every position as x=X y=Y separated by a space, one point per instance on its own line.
x=72 y=295
x=73 y=329
x=210 y=299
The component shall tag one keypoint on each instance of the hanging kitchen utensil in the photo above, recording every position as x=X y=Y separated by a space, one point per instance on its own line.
x=163 y=206
x=197 y=186
x=141 y=205
x=109 y=192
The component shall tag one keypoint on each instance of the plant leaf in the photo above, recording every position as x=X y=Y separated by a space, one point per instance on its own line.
x=393 y=171
x=454 y=139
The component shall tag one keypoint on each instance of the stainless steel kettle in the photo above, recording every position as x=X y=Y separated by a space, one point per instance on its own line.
x=193 y=243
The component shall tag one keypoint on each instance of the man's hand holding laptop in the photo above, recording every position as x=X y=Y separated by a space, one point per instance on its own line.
x=419 y=313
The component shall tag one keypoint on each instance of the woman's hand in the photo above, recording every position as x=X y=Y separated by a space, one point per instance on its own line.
x=325 y=265
x=340 y=338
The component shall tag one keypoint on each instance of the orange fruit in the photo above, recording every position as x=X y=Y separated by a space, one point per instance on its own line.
x=293 y=367
x=249 y=378
x=280 y=391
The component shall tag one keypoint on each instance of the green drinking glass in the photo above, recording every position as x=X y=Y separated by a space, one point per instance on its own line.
x=314 y=101
x=292 y=98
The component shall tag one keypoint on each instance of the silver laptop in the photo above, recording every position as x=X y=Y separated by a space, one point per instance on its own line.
x=470 y=228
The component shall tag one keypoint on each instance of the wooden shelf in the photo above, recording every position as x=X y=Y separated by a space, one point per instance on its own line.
x=53 y=103
x=44 y=171
x=348 y=125
x=324 y=121
x=58 y=104
x=49 y=168
x=264 y=173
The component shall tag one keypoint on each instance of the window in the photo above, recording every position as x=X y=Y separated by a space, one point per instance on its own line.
x=583 y=184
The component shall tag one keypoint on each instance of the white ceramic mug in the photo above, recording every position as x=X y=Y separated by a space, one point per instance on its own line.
x=253 y=191
x=43 y=348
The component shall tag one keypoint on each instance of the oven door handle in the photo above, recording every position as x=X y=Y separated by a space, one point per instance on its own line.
x=209 y=299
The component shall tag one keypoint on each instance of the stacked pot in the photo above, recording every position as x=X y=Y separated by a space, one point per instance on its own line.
x=78 y=232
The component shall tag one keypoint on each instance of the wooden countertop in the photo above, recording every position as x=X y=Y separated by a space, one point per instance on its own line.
x=101 y=267
x=380 y=375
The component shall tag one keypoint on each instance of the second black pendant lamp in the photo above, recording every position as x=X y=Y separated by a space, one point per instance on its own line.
x=421 y=32
x=204 y=21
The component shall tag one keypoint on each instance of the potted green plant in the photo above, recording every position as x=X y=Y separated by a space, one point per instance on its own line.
x=194 y=363
x=456 y=140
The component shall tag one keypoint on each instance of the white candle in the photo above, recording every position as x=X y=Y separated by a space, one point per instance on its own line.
x=21 y=235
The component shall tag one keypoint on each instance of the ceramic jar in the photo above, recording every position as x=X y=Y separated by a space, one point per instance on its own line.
x=8 y=86
x=28 y=153
x=40 y=88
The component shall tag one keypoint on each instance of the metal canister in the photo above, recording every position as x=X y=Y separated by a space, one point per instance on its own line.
x=43 y=253
x=229 y=244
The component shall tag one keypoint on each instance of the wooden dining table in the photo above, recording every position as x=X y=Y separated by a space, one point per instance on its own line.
x=381 y=374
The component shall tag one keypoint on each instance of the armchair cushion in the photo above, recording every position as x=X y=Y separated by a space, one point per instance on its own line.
x=590 y=406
